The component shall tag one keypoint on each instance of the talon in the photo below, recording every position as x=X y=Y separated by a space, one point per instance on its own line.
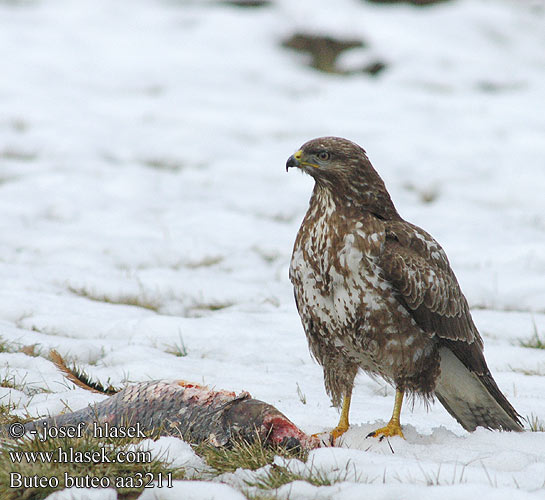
x=325 y=438
x=390 y=430
x=338 y=432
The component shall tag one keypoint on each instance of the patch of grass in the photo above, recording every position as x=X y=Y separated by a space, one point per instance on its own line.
x=7 y=417
x=23 y=460
x=434 y=478
x=178 y=349
x=323 y=50
x=262 y=496
x=269 y=256
x=539 y=372
x=127 y=300
x=17 y=155
x=425 y=194
x=165 y=164
x=7 y=346
x=5 y=411
x=278 y=475
x=33 y=350
x=254 y=456
x=535 y=341
x=413 y=2
x=243 y=455
x=198 y=309
x=536 y=424
x=12 y=381
x=274 y=478
x=19 y=125
x=8 y=381
x=248 y=3
x=302 y=396
x=208 y=261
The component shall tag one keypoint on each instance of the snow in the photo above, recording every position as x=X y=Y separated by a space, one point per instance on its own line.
x=83 y=494
x=193 y=490
x=174 y=451
x=145 y=207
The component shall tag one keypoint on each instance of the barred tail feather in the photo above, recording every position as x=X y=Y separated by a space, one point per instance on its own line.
x=473 y=400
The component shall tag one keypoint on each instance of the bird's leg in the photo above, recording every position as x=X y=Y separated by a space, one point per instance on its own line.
x=393 y=427
x=343 y=424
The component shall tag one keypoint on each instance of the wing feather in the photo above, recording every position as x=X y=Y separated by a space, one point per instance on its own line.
x=419 y=270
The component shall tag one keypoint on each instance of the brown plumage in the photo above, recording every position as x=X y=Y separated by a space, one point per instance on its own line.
x=377 y=293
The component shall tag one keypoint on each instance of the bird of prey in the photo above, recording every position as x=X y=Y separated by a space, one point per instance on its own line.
x=377 y=293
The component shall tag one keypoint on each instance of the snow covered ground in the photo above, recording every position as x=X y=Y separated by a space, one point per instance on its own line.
x=144 y=209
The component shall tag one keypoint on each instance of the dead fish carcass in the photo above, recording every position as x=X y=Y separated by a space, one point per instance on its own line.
x=192 y=411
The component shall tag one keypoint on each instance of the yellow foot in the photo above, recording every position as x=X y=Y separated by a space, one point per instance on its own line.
x=391 y=429
x=329 y=438
x=338 y=431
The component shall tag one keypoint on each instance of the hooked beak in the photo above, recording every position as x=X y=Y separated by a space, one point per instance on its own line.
x=294 y=160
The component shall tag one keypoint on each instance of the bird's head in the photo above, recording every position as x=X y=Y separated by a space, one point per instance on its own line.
x=329 y=159
x=341 y=167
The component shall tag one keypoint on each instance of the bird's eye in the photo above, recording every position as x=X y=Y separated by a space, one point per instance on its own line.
x=323 y=155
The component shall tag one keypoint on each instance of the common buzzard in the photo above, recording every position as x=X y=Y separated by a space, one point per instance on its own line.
x=377 y=293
